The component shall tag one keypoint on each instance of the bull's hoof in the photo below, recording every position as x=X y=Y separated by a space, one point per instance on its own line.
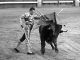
x=42 y=53
x=52 y=48
x=56 y=50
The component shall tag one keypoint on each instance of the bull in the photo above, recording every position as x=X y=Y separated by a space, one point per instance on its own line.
x=49 y=33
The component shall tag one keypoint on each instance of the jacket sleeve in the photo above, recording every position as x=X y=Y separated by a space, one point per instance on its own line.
x=22 y=21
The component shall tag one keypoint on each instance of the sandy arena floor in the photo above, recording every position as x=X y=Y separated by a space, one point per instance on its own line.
x=68 y=42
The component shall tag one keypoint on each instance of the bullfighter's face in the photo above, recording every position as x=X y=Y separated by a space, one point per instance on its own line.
x=32 y=12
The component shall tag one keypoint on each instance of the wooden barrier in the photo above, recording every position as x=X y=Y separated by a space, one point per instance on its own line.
x=57 y=1
x=77 y=3
x=40 y=2
x=30 y=2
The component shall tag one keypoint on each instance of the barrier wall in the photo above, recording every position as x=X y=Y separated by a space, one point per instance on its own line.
x=36 y=3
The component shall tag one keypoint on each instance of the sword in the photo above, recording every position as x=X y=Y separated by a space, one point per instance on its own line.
x=60 y=11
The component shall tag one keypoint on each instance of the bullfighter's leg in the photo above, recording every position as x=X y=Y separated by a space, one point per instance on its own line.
x=55 y=44
x=27 y=34
x=19 y=43
x=23 y=38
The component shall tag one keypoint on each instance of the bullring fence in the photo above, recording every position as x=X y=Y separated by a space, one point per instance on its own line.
x=38 y=3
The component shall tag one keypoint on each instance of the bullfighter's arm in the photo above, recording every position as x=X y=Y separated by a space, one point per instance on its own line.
x=22 y=21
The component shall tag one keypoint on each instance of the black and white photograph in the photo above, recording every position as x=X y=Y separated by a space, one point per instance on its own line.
x=39 y=29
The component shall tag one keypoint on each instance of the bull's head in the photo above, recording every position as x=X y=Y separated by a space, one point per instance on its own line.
x=57 y=28
x=63 y=29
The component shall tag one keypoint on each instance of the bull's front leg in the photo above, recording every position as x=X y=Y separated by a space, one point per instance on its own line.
x=42 y=40
x=42 y=46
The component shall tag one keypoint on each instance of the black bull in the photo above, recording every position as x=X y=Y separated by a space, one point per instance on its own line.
x=49 y=33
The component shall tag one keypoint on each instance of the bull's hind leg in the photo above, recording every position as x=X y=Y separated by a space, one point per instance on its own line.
x=55 y=44
x=52 y=46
